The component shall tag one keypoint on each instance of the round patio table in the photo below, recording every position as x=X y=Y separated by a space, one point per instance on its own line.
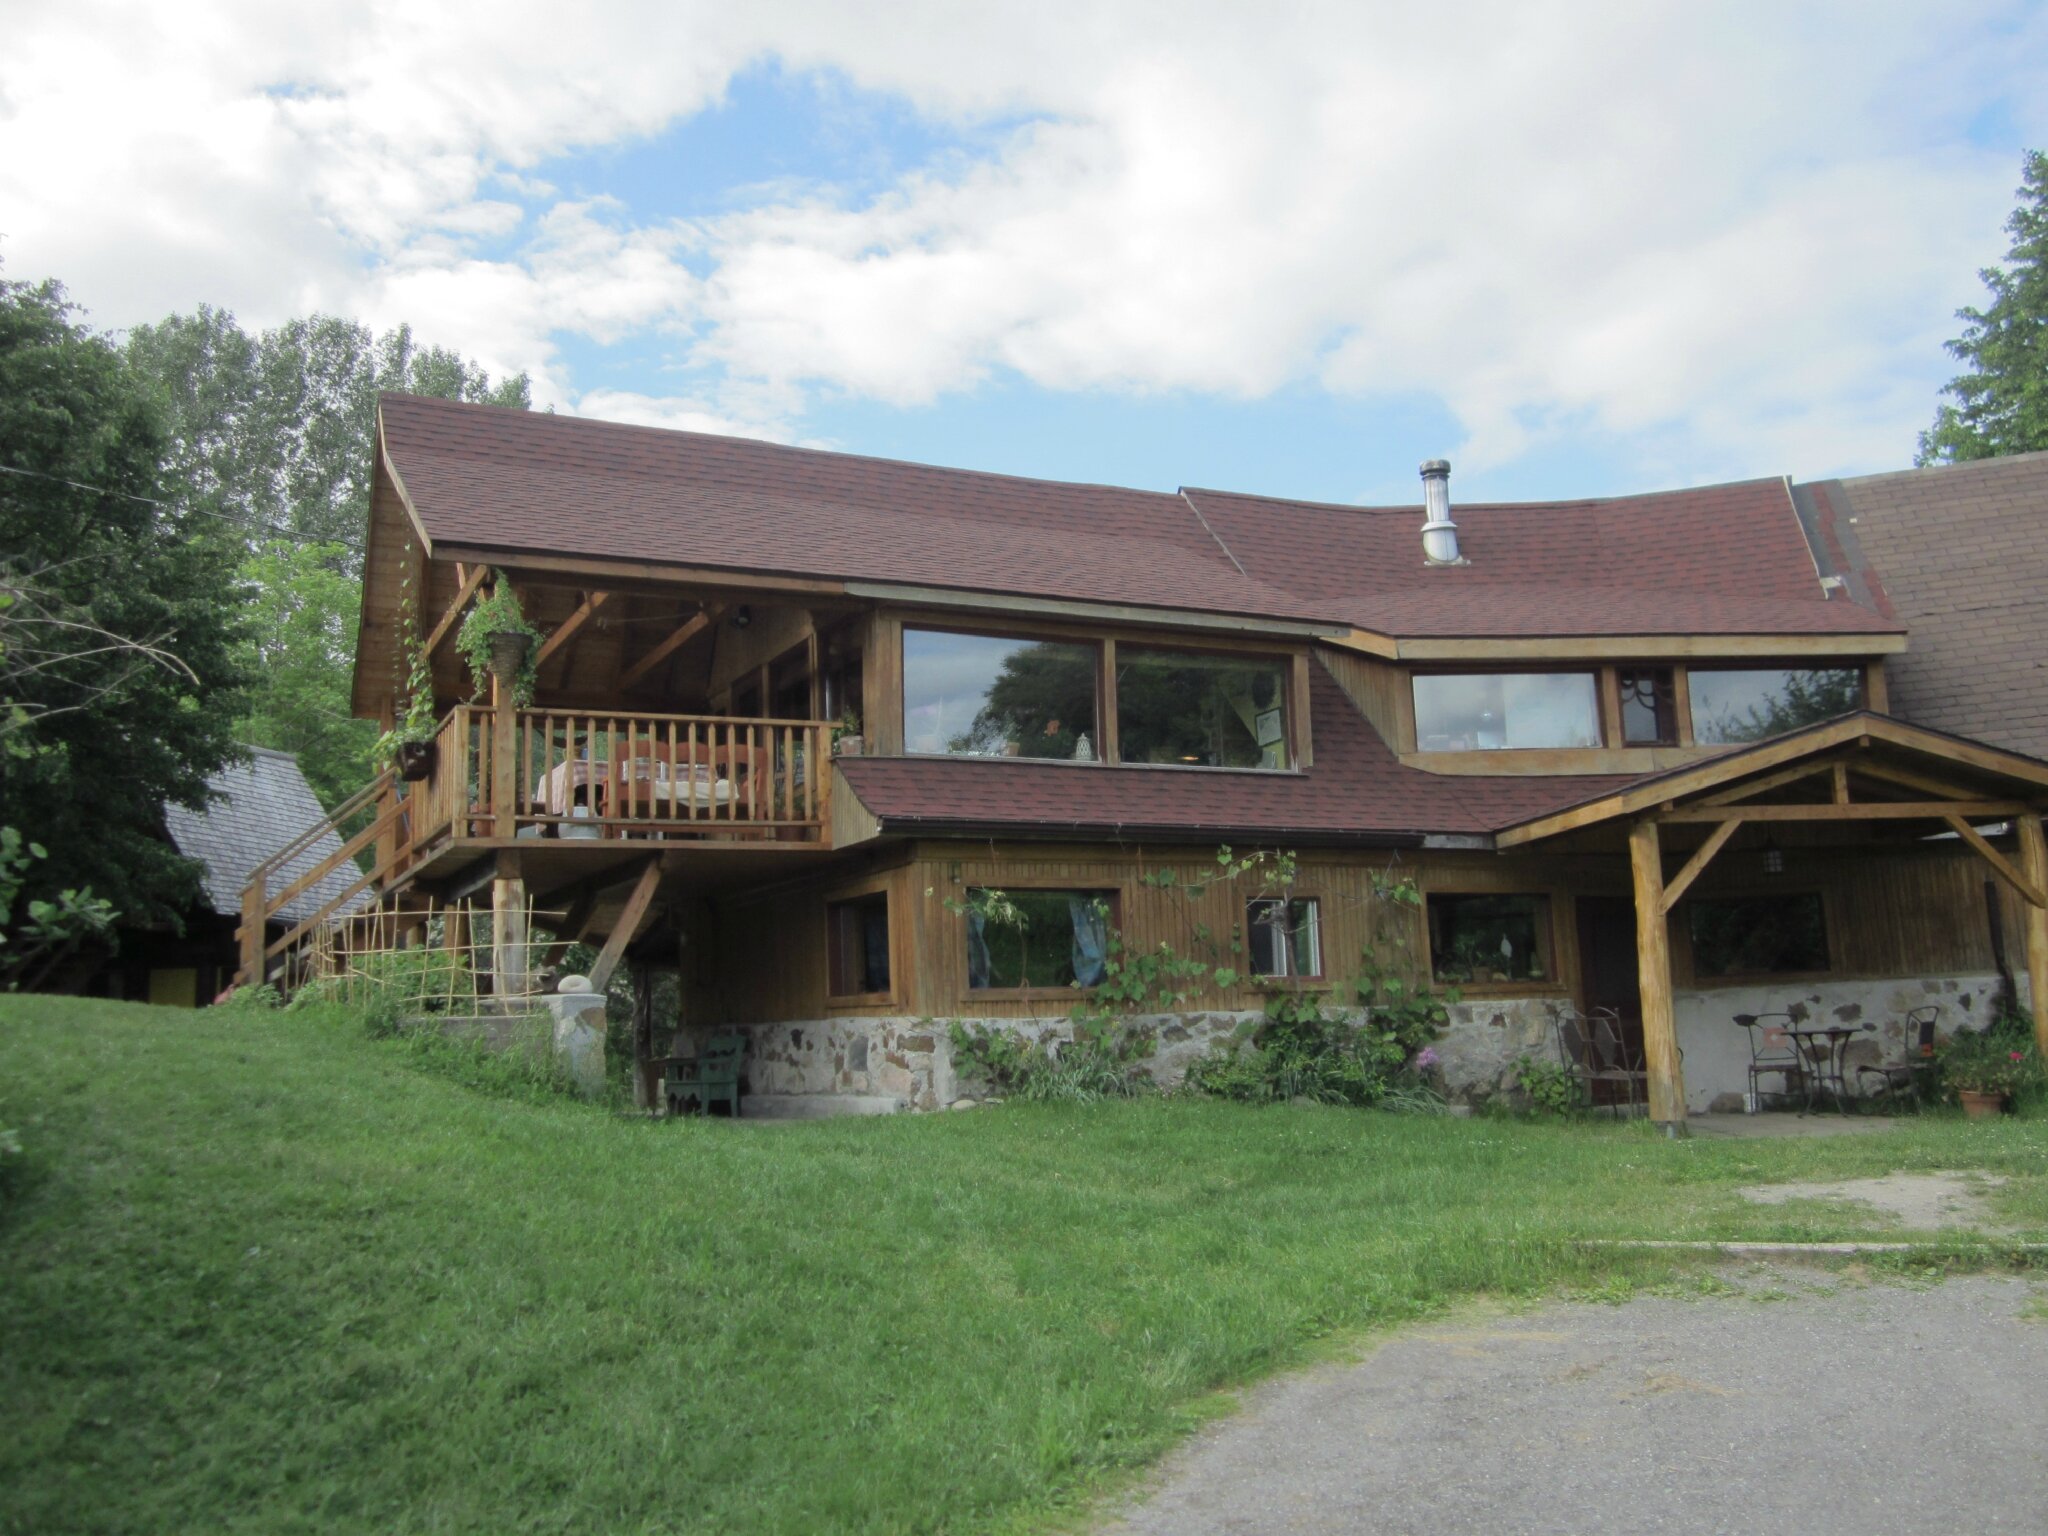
x=1822 y=1049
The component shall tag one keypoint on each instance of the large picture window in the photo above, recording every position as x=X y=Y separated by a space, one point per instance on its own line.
x=1748 y=705
x=1776 y=935
x=1487 y=940
x=1201 y=711
x=1018 y=939
x=1494 y=711
x=984 y=696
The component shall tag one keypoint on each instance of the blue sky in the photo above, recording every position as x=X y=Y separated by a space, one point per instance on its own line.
x=1578 y=252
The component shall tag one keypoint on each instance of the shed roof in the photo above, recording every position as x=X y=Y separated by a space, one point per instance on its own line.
x=260 y=806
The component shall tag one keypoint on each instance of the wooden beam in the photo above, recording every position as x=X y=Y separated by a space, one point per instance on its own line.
x=627 y=925
x=1653 y=977
x=2028 y=890
x=688 y=630
x=566 y=630
x=1894 y=810
x=453 y=616
x=1708 y=648
x=2034 y=855
x=1768 y=782
x=1941 y=788
x=1840 y=779
x=574 y=921
x=1696 y=866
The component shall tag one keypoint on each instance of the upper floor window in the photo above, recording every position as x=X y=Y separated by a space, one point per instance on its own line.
x=1649 y=707
x=987 y=696
x=1748 y=705
x=1489 y=711
x=1201 y=710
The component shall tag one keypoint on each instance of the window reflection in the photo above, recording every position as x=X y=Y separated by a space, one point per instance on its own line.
x=1483 y=712
x=985 y=696
x=1751 y=704
x=1206 y=711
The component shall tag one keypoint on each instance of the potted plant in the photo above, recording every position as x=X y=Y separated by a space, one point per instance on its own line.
x=1985 y=1070
x=846 y=737
x=497 y=641
x=410 y=743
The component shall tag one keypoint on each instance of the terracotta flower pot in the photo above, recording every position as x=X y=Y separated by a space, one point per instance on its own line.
x=415 y=760
x=1981 y=1106
x=508 y=651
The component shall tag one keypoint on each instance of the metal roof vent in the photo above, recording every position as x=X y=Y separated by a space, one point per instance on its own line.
x=1439 y=533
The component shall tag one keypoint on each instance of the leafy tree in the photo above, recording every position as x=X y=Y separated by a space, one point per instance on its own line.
x=2000 y=405
x=302 y=644
x=129 y=607
x=275 y=430
x=273 y=433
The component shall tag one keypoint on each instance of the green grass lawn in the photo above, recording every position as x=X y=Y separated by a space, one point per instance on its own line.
x=262 y=1273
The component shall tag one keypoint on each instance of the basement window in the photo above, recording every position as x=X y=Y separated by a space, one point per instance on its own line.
x=857 y=945
x=1023 y=940
x=1284 y=937
x=1489 y=940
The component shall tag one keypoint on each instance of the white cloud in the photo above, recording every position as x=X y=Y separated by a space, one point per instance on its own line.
x=1732 y=234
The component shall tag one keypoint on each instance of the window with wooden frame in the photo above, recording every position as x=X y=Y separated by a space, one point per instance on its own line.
x=1022 y=940
x=1196 y=709
x=1505 y=711
x=1779 y=933
x=1649 y=706
x=1738 y=704
x=983 y=695
x=1284 y=937
x=1489 y=940
x=857 y=946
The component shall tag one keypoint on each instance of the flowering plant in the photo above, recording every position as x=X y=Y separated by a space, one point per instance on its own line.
x=1973 y=1063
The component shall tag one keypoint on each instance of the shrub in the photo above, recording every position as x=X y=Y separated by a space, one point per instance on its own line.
x=1099 y=1062
x=1550 y=1089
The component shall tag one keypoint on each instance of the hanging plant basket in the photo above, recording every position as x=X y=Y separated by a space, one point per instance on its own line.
x=508 y=652
x=416 y=760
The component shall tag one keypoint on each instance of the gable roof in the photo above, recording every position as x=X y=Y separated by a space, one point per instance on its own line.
x=1959 y=553
x=262 y=805
x=1357 y=791
x=1721 y=560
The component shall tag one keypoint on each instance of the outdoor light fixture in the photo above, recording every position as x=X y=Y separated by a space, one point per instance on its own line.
x=742 y=616
x=1774 y=857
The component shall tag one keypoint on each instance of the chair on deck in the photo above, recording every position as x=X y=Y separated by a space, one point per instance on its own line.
x=1612 y=1059
x=1912 y=1073
x=1772 y=1053
x=711 y=1077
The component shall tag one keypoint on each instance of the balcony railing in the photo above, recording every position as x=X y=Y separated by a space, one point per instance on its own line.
x=583 y=776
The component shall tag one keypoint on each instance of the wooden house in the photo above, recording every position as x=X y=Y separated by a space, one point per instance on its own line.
x=1631 y=753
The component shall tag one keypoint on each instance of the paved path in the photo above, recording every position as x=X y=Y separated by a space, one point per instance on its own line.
x=1873 y=1410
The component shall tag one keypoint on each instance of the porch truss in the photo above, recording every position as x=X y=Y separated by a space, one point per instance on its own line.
x=1861 y=769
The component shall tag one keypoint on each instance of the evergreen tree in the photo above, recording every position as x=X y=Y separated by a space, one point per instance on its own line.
x=2000 y=405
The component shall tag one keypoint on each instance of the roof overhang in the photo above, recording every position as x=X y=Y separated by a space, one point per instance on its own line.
x=1961 y=777
x=1620 y=647
x=1104 y=613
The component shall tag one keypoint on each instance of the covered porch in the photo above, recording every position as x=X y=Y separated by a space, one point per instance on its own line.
x=1886 y=809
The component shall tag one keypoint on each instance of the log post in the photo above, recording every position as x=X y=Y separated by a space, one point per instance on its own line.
x=253 y=900
x=1653 y=975
x=504 y=755
x=2034 y=859
x=508 y=928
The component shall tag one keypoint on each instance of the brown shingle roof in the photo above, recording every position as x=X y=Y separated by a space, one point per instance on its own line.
x=1357 y=789
x=1721 y=560
x=1960 y=553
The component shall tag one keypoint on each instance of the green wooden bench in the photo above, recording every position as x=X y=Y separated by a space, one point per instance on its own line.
x=711 y=1077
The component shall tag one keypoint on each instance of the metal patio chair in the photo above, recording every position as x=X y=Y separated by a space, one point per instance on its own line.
x=1773 y=1053
x=1912 y=1073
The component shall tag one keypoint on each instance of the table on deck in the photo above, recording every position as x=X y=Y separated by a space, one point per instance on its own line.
x=1822 y=1049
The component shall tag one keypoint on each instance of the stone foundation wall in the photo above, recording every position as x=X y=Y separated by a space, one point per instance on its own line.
x=910 y=1060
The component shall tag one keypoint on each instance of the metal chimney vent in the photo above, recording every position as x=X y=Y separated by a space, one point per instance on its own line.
x=1439 y=533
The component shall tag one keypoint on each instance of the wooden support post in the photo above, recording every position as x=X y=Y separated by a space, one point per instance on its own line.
x=644 y=1084
x=253 y=899
x=508 y=928
x=504 y=764
x=2034 y=858
x=627 y=925
x=1653 y=973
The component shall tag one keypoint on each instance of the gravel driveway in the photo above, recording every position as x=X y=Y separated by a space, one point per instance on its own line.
x=1808 y=1404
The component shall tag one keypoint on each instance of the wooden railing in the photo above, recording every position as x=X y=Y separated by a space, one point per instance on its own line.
x=260 y=903
x=583 y=775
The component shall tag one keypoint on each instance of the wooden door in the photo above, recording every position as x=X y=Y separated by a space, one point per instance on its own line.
x=1607 y=965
